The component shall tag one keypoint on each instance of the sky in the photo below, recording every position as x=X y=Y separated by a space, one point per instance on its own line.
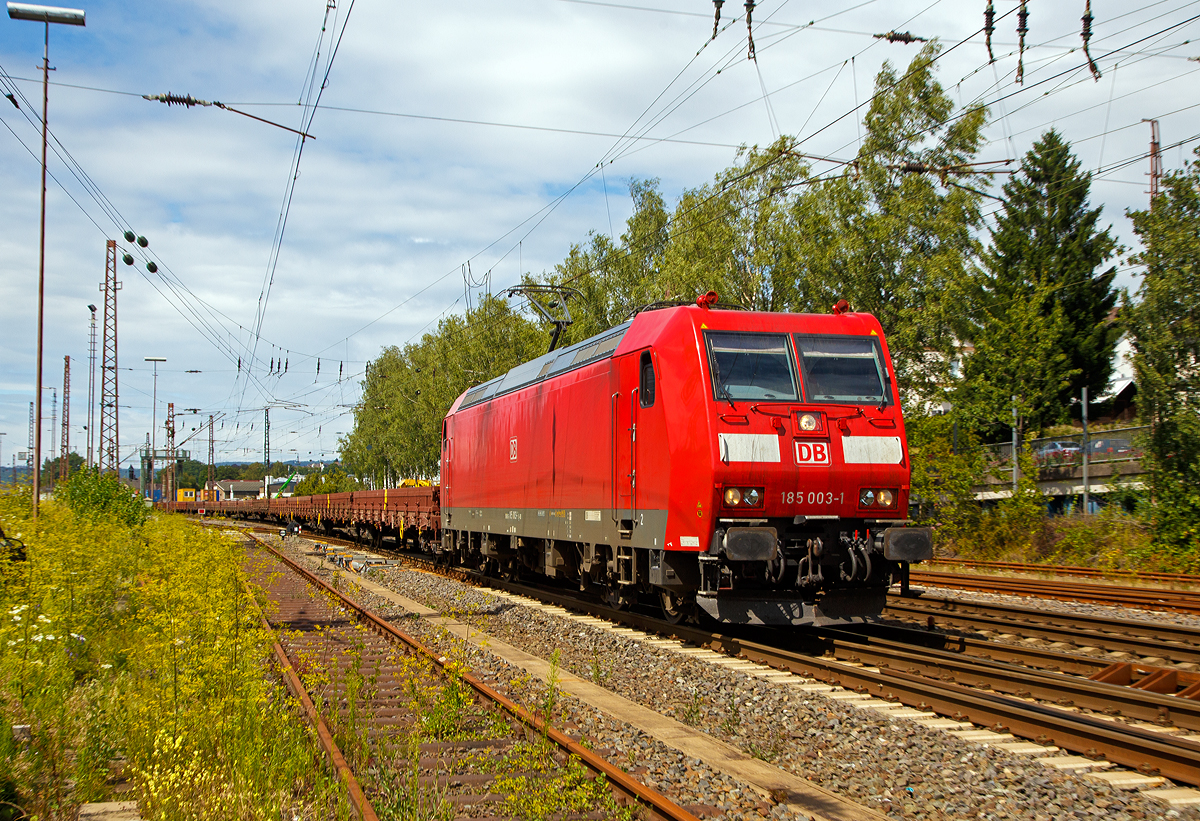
x=454 y=147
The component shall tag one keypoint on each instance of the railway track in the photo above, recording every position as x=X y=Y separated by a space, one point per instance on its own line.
x=1153 y=642
x=1070 y=570
x=1037 y=693
x=1147 y=598
x=897 y=672
x=426 y=734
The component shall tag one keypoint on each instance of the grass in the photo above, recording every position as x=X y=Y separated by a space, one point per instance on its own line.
x=129 y=646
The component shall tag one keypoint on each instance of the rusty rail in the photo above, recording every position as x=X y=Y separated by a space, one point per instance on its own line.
x=1150 y=598
x=1071 y=570
x=1146 y=751
x=652 y=800
x=358 y=799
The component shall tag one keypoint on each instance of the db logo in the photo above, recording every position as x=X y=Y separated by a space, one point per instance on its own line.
x=512 y=449
x=812 y=453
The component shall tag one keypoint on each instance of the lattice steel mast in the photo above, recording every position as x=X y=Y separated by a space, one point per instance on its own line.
x=109 y=459
x=64 y=463
x=169 y=473
x=91 y=405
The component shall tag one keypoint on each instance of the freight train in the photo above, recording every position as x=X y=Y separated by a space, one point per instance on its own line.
x=746 y=466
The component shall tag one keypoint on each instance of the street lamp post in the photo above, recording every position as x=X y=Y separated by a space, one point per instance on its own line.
x=46 y=15
x=153 y=419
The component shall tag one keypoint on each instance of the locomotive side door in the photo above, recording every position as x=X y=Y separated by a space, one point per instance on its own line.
x=446 y=454
x=624 y=415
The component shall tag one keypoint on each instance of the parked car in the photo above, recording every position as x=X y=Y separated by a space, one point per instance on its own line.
x=1063 y=450
x=1110 y=448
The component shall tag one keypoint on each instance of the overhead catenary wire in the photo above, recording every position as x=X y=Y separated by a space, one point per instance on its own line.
x=1002 y=118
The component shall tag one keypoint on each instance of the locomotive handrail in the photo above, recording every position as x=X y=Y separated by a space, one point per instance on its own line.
x=634 y=395
x=612 y=448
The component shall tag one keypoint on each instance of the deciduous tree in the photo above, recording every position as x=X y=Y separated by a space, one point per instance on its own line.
x=1165 y=326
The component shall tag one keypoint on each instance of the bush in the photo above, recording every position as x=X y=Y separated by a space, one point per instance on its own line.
x=132 y=639
x=95 y=496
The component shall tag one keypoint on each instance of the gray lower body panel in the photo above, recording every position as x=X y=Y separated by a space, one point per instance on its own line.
x=594 y=526
x=767 y=608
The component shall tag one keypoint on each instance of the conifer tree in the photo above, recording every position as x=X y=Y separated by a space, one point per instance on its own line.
x=1044 y=258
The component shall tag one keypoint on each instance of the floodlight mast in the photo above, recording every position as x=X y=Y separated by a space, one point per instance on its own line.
x=45 y=15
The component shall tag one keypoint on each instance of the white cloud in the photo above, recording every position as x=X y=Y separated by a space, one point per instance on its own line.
x=386 y=206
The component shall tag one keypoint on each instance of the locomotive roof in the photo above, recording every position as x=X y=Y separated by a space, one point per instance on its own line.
x=603 y=345
x=600 y=346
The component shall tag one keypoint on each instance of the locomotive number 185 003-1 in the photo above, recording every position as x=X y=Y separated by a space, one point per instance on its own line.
x=812 y=497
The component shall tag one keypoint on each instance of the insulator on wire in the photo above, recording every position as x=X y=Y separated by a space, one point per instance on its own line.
x=152 y=267
x=1086 y=34
x=340 y=370
x=285 y=364
x=989 y=25
x=318 y=367
x=127 y=259
x=750 y=30
x=901 y=37
x=716 y=18
x=170 y=99
x=1022 y=30
x=129 y=236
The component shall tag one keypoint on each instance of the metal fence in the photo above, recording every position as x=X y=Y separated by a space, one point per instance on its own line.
x=1116 y=445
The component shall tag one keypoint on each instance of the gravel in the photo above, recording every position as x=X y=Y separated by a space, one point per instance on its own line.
x=893 y=765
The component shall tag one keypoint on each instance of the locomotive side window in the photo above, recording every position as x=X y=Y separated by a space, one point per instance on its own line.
x=844 y=369
x=751 y=366
x=646 y=383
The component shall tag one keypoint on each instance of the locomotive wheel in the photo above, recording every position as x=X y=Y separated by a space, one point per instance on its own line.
x=675 y=608
x=618 y=599
x=512 y=571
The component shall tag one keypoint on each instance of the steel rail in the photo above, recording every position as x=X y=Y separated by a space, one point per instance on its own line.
x=1151 y=598
x=1070 y=570
x=358 y=799
x=1146 y=751
x=1029 y=655
x=1175 y=643
x=652 y=800
x=1012 y=679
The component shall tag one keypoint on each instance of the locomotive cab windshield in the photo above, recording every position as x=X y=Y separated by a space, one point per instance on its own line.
x=843 y=369
x=751 y=366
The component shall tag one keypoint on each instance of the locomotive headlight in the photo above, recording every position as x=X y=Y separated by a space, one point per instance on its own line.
x=752 y=497
x=866 y=498
x=808 y=422
x=886 y=498
x=733 y=497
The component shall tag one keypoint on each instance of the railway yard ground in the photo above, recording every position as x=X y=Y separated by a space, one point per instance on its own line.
x=747 y=728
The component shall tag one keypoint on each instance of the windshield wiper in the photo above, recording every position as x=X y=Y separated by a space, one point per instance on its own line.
x=722 y=392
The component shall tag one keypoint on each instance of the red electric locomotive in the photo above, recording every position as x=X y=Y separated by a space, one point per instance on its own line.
x=751 y=465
